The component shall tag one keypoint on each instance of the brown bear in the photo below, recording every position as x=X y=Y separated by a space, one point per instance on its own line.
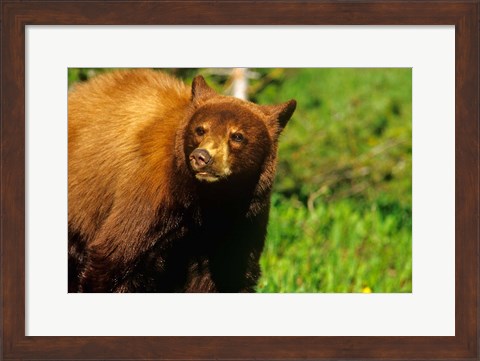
x=168 y=186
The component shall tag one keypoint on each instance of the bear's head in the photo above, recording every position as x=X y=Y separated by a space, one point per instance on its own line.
x=228 y=138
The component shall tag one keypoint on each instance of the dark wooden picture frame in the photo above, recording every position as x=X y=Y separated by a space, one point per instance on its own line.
x=17 y=14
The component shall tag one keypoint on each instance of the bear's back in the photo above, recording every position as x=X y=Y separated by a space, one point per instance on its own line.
x=111 y=119
x=113 y=105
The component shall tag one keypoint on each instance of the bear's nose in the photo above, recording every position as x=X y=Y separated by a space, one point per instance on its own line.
x=200 y=158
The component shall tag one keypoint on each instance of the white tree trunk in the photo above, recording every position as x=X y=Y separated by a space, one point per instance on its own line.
x=240 y=83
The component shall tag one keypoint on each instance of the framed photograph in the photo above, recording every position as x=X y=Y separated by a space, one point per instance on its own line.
x=334 y=144
x=340 y=215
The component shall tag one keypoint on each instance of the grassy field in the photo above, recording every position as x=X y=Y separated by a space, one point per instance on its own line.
x=338 y=247
x=341 y=215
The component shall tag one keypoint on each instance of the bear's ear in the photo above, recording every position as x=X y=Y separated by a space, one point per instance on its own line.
x=280 y=114
x=200 y=90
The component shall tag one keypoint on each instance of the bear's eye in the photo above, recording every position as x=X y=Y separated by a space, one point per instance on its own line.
x=199 y=131
x=237 y=137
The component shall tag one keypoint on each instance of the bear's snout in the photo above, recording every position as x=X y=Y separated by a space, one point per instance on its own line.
x=200 y=158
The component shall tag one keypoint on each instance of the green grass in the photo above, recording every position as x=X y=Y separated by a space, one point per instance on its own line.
x=341 y=214
x=336 y=247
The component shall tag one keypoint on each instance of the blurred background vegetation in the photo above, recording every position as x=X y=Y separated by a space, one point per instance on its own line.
x=341 y=215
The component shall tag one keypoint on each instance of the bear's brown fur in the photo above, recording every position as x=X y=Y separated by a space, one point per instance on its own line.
x=168 y=186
